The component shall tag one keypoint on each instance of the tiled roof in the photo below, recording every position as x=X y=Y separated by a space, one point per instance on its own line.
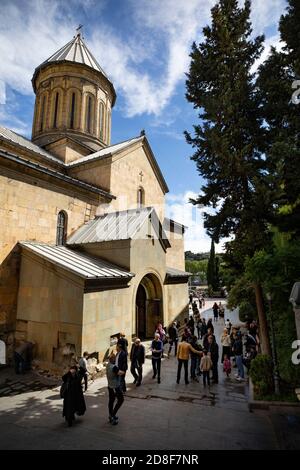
x=105 y=152
x=58 y=175
x=75 y=51
x=21 y=141
x=81 y=264
x=122 y=225
x=172 y=272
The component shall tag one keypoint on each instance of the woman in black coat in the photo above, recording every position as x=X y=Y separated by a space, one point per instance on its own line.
x=72 y=395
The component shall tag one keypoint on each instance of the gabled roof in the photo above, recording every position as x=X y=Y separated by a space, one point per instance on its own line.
x=105 y=152
x=80 y=264
x=21 y=141
x=42 y=170
x=122 y=225
x=113 y=149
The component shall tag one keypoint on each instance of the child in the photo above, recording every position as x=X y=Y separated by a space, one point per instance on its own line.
x=205 y=366
x=226 y=365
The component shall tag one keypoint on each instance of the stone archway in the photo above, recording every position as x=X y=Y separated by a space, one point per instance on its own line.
x=149 y=306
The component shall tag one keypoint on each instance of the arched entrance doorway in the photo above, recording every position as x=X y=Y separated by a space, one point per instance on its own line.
x=149 y=302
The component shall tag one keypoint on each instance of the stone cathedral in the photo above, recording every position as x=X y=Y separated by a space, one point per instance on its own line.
x=85 y=248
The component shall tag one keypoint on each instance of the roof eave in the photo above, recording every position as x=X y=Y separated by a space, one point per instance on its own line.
x=161 y=179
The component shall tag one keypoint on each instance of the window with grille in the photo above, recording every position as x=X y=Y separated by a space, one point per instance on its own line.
x=61 y=234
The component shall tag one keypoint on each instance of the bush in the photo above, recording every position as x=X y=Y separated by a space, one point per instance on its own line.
x=261 y=373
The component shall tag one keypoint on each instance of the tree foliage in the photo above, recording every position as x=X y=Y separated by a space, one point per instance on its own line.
x=229 y=137
x=280 y=107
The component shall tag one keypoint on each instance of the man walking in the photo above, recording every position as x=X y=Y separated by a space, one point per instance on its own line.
x=157 y=352
x=238 y=352
x=114 y=389
x=121 y=363
x=213 y=349
x=83 y=371
x=137 y=357
x=183 y=354
x=173 y=338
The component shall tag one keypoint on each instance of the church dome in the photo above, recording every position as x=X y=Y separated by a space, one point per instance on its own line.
x=74 y=99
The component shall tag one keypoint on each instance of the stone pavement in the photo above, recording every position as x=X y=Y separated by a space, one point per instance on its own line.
x=154 y=416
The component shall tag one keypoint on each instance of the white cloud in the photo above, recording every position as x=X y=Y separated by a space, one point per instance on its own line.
x=269 y=42
x=146 y=63
x=265 y=14
x=2 y=92
x=180 y=209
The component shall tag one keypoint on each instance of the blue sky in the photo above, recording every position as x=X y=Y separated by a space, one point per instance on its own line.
x=143 y=46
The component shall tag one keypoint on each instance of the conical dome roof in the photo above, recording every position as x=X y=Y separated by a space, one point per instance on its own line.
x=75 y=51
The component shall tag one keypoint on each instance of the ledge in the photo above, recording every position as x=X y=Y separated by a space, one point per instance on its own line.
x=266 y=404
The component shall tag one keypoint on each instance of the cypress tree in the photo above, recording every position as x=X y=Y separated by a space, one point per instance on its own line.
x=229 y=137
x=212 y=269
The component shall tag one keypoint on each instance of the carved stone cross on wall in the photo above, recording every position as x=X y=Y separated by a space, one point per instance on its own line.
x=141 y=175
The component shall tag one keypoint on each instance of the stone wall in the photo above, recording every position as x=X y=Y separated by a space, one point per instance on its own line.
x=123 y=175
x=29 y=213
x=177 y=302
x=49 y=311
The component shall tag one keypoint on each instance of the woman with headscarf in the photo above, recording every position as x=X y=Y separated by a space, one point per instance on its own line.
x=73 y=395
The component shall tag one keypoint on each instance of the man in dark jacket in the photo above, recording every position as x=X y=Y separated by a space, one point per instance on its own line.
x=123 y=342
x=213 y=349
x=238 y=352
x=157 y=349
x=137 y=357
x=173 y=338
x=195 y=358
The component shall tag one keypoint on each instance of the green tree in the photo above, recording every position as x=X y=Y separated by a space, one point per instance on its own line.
x=229 y=138
x=277 y=268
x=280 y=106
x=212 y=269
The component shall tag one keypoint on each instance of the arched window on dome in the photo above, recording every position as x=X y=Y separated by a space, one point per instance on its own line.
x=72 y=110
x=89 y=114
x=101 y=120
x=108 y=127
x=55 y=112
x=42 y=113
x=140 y=197
x=61 y=231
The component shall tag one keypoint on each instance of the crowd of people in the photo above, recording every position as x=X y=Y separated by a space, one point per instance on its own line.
x=195 y=347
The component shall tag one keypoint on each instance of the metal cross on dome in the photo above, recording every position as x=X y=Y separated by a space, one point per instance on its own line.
x=78 y=29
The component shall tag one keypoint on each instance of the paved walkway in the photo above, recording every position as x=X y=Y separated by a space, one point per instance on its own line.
x=154 y=416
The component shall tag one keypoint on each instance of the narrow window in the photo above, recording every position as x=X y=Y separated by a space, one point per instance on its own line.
x=55 y=110
x=108 y=126
x=89 y=115
x=42 y=113
x=140 y=197
x=72 y=119
x=101 y=120
x=61 y=234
